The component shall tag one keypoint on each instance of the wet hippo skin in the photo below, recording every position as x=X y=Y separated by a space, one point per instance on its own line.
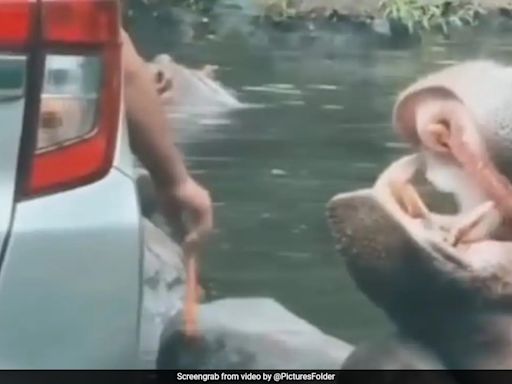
x=426 y=297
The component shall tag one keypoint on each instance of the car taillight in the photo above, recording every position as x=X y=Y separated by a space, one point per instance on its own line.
x=69 y=101
x=79 y=106
x=16 y=20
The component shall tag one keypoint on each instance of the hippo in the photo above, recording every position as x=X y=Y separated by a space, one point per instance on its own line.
x=191 y=90
x=430 y=243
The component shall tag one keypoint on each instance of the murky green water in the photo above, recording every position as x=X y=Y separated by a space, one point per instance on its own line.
x=322 y=127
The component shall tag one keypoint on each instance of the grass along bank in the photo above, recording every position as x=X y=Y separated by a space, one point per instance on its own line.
x=392 y=17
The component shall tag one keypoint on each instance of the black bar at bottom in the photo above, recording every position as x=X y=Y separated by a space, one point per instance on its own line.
x=281 y=376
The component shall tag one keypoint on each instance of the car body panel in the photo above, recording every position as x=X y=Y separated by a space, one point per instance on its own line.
x=124 y=159
x=70 y=262
x=70 y=284
x=12 y=105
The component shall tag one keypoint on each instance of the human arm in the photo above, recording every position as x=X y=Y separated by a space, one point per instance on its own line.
x=152 y=140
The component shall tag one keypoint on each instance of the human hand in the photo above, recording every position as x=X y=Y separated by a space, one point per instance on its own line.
x=190 y=201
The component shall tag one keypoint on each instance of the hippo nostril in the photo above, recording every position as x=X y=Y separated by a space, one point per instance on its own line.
x=159 y=77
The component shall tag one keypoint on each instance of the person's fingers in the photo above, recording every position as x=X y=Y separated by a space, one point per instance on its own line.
x=202 y=224
x=192 y=245
x=206 y=220
x=195 y=242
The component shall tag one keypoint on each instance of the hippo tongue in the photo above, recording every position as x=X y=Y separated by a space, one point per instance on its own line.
x=447 y=176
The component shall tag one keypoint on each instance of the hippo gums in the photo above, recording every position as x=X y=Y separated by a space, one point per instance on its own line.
x=431 y=242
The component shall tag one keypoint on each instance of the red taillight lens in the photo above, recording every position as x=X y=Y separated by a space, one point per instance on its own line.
x=16 y=21
x=78 y=122
x=81 y=21
x=81 y=95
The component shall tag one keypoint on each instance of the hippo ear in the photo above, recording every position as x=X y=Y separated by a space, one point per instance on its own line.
x=209 y=71
x=412 y=105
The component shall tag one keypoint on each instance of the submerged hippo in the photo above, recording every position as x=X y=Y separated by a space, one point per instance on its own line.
x=431 y=243
x=192 y=90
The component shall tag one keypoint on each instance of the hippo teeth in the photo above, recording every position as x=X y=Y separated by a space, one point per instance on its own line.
x=477 y=225
x=409 y=200
x=469 y=226
x=395 y=188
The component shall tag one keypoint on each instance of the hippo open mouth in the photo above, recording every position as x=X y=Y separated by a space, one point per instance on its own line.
x=440 y=208
x=442 y=214
x=441 y=272
x=474 y=235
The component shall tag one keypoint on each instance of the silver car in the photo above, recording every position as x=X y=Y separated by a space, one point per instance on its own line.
x=70 y=224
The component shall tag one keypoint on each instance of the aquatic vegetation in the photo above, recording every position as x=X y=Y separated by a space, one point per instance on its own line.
x=420 y=15
x=412 y=17
x=279 y=10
